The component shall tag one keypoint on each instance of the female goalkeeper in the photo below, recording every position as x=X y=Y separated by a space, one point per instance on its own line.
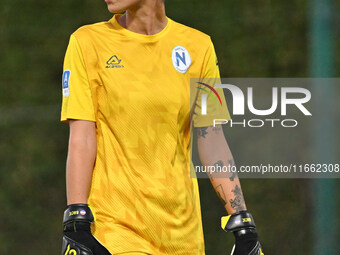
x=126 y=97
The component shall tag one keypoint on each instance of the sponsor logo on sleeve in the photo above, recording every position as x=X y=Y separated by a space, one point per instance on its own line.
x=66 y=81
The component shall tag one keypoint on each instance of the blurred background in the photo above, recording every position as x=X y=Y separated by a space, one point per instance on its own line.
x=297 y=38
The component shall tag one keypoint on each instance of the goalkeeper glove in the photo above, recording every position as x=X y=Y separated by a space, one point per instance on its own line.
x=78 y=239
x=243 y=226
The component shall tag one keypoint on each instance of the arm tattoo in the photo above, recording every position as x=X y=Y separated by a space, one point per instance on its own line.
x=216 y=173
x=219 y=163
x=217 y=129
x=234 y=174
x=238 y=202
x=220 y=173
x=220 y=193
x=201 y=132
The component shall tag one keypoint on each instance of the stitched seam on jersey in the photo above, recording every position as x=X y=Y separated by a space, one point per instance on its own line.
x=204 y=66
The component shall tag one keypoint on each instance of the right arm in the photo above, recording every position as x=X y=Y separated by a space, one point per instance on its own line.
x=81 y=157
x=78 y=110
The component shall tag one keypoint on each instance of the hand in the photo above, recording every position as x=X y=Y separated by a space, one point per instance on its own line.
x=78 y=239
x=246 y=239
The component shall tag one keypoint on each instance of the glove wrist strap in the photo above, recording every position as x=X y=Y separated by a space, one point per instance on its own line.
x=78 y=212
x=238 y=221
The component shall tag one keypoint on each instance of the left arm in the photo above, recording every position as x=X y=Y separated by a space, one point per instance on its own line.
x=213 y=150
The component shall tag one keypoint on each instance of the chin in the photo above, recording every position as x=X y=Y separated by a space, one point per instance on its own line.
x=114 y=9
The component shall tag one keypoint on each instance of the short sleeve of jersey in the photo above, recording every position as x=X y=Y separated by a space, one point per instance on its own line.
x=216 y=105
x=77 y=100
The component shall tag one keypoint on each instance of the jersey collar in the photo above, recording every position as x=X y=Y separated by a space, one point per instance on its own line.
x=138 y=36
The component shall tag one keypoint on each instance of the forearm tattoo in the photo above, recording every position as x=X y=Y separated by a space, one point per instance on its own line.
x=202 y=132
x=237 y=203
x=221 y=194
x=220 y=164
x=217 y=171
x=234 y=174
x=217 y=129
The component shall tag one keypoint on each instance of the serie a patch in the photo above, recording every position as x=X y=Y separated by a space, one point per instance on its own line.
x=66 y=81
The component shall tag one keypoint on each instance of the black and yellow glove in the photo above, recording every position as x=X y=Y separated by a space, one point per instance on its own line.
x=243 y=226
x=78 y=239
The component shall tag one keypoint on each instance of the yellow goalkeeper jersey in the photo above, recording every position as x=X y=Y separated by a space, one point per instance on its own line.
x=137 y=89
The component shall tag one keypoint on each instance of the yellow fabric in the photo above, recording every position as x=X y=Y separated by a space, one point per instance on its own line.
x=210 y=76
x=77 y=106
x=142 y=195
x=224 y=221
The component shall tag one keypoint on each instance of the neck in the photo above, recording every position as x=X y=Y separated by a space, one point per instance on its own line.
x=148 y=18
